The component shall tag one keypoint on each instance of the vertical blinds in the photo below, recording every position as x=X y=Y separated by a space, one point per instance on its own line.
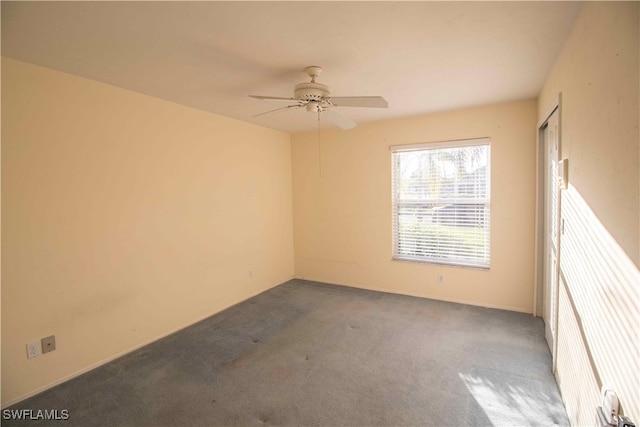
x=441 y=201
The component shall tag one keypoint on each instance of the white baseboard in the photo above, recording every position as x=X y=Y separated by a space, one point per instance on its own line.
x=129 y=350
x=136 y=347
x=412 y=294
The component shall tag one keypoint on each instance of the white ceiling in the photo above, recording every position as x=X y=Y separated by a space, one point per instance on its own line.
x=421 y=56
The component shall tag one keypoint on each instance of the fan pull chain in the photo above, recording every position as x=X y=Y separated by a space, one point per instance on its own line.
x=319 y=149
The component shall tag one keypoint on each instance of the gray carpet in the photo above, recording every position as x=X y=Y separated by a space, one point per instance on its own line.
x=307 y=353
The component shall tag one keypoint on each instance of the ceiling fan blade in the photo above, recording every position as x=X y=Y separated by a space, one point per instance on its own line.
x=272 y=98
x=278 y=109
x=359 y=101
x=338 y=119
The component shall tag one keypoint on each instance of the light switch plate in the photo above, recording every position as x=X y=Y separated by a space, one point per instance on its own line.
x=563 y=173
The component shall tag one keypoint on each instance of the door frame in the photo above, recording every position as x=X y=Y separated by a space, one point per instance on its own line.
x=538 y=275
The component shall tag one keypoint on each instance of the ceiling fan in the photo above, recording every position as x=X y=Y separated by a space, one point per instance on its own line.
x=316 y=98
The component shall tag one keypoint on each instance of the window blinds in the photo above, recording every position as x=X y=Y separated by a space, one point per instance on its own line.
x=441 y=202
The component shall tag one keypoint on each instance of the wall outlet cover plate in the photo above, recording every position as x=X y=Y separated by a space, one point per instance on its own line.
x=48 y=344
x=33 y=350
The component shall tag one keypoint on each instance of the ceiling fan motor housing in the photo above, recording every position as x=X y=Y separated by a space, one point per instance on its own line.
x=311 y=91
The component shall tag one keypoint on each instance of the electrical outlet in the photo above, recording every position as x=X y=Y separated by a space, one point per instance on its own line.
x=33 y=349
x=440 y=278
x=48 y=344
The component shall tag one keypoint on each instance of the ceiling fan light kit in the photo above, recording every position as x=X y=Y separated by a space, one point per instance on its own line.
x=316 y=98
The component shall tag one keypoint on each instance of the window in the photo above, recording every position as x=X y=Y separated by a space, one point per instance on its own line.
x=441 y=200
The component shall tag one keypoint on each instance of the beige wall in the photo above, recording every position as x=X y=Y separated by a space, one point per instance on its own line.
x=342 y=206
x=598 y=332
x=126 y=217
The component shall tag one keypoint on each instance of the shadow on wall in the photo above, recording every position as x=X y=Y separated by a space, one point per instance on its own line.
x=600 y=303
x=576 y=373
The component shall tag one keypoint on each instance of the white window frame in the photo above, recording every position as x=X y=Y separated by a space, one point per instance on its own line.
x=459 y=259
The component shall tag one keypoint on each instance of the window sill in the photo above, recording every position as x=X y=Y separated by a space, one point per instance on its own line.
x=441 y=263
